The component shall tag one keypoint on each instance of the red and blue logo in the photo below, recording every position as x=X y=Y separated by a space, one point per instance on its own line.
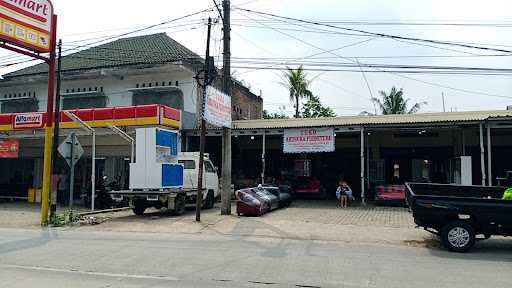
x=32 y=120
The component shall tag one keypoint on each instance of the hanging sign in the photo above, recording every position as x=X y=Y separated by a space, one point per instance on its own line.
x=309 y=140
x=217 y=108
x=9 y=148
x=27 y=23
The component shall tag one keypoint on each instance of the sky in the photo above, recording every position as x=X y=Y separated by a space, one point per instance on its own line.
x=258 y=37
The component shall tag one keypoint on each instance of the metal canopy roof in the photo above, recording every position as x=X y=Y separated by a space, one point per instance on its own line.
x=381 y=120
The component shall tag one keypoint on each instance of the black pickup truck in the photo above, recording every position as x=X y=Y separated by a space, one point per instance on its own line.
x=458 y=214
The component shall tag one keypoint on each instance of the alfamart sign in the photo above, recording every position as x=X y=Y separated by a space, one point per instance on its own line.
x=32 y=120
x=309 y=140
x=27 y=23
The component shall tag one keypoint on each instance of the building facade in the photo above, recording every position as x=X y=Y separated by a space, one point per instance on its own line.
x=136 y=71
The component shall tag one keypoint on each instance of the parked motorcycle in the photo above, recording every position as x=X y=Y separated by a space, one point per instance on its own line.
x=102 y=199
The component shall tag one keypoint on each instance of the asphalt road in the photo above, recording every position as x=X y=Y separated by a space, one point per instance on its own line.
x=70 y=258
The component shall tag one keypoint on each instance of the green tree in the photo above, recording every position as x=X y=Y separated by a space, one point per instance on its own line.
x=313 y=108
x=295 y=80
x=395 y=103
x=276 y=115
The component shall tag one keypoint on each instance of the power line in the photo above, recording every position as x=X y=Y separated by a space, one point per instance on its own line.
x=151 y=26
x=331 y=32
x=383 y=35
x=381 y=70
x=392 y=72
x=403 y=23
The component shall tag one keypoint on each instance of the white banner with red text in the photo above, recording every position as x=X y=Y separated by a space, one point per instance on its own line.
x=217 y=108
x=309 y=140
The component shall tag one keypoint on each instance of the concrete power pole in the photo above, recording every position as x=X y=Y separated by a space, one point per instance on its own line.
x=207 y=68
x=226 y=132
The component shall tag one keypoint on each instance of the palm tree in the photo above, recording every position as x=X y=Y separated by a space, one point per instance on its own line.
x=394 y=103
x=295 y=80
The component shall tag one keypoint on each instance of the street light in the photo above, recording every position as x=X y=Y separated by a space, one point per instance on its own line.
x=90 y=130
x=125 y=136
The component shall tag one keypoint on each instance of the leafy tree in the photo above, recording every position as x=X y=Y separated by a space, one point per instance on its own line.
x=314 y=109
x=395 y=103
x=276 y=115
x=295 y=80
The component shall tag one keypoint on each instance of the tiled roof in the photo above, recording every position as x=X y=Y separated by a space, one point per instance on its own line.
x=381 y=120
x=147 y=49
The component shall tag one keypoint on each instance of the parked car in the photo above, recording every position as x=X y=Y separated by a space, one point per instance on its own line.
x=309 y=187
x=390 y=194
x=285 y=199
x=459 y=213
x=248 y=203
x=271 y=198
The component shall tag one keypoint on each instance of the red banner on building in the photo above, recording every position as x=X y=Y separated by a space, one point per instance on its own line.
x=9 y=148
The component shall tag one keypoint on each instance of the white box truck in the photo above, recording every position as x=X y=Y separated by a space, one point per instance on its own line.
x=164 y=177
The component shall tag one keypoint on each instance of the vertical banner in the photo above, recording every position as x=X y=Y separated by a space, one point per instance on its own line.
x=217 y=108
x=309 y=140
x=9 y=148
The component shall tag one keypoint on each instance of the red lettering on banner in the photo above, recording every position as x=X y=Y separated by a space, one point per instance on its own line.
x=30 y=8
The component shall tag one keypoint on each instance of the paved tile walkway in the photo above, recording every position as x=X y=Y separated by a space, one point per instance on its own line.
x=326 y=212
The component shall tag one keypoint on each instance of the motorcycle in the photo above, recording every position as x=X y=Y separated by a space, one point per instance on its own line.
x=102 y=200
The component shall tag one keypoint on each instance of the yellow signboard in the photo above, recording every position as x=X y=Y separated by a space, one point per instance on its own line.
x=27 y=23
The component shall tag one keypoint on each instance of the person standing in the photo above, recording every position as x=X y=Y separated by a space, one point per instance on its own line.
x=348 y=191
x=341 y=194
x=62 y=187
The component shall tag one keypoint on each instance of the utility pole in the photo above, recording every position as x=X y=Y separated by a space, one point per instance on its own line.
x=199 y=198
x=226 y=132
x=53 y=194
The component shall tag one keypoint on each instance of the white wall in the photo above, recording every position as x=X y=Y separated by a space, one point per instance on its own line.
x=116 y=87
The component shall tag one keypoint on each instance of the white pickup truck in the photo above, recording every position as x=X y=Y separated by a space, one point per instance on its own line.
x=190 y=161
x=176 y=199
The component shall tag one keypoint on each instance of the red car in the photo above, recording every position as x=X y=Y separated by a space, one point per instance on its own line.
x=249 y=203
x=309 y=186
x=390 y=194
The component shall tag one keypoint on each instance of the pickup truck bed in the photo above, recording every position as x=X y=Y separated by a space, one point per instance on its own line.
x=459 y=213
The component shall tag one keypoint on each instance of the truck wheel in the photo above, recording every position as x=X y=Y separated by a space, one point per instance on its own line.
x=179 y=205
x=210 y=201
x=458 y=236
x=139 y=207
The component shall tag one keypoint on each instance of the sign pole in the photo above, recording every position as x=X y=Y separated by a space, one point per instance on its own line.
x=72 y=171
x=45 y=196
